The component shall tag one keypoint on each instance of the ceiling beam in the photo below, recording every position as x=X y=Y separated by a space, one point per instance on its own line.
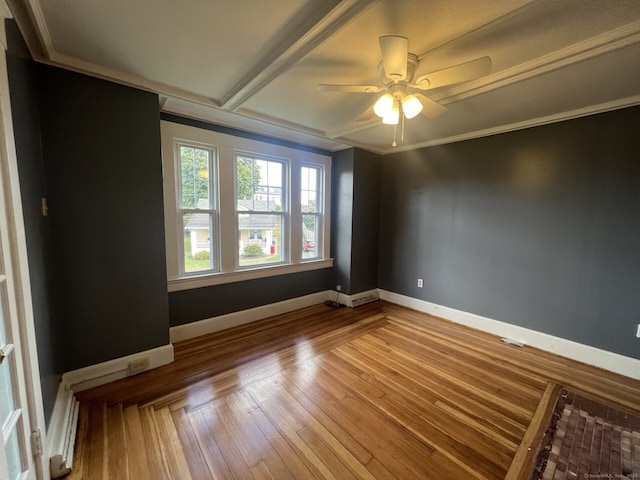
x=314 y=29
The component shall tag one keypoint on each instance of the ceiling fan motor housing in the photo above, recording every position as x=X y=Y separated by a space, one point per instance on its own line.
x=412 y=64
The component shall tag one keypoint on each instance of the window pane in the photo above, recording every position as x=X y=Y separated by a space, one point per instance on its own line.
x=7 y=405
x=194 y=177
x=197 y=242
x=3 y=302
x=309 y=201
x=260 y=239
x=6 y=391
x=14 y=462
x=309 y=189
x=309 y=236
x=259 y=184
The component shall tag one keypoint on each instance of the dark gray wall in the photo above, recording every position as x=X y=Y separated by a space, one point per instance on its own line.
x=103 y=169
x=200 y=303
x=354 y=230
x=366 y=214
x=26 y=122
x=342 y=171
x=537 y=228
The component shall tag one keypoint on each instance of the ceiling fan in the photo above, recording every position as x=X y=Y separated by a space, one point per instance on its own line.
x=402 y=98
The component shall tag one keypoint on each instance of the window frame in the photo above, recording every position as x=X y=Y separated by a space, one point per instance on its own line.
x=319 y=213
x=212 y=211
x=285 y=213
x=225 y=216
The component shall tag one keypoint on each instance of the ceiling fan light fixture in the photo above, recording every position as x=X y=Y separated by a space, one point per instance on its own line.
x=384 y=105
x=411 y=106
x=392 y=117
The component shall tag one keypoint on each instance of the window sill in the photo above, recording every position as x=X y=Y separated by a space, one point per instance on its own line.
x=212 y=279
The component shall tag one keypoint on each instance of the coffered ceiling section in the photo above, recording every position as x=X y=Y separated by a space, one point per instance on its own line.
x=256 y=65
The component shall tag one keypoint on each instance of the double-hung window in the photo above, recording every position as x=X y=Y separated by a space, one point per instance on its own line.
x=238 y=208
x=311 y=210
x=260 y=210
x=196 y=208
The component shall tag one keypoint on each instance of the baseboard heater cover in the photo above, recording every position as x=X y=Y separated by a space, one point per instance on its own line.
x=62 y=434
x=365 y=297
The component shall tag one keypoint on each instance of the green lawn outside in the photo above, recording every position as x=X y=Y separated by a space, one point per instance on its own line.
x=193 y=265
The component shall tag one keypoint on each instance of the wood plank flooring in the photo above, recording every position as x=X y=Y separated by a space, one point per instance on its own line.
x=376 y=392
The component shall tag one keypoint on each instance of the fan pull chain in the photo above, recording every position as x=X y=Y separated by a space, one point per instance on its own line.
x=395 y=128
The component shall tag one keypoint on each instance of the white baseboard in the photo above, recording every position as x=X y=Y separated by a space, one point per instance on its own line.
x=61 y=437
x=613 y=362
x=221 y=322
x=101 y=373
x=61 y=434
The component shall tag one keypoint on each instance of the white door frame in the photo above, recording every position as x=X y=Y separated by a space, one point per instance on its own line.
x=26 y=338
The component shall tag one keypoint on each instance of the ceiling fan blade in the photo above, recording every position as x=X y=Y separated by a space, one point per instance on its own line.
x=323 y=87
x=459 y=73
x=430 y=108
x=395 y=50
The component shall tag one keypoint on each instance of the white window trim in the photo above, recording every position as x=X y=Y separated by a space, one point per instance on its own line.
x=226 y=145
x=212 y=211
x=319 y=213
x=12 y=229
x=285 y=214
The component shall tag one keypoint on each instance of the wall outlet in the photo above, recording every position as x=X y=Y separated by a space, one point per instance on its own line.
x=339 y=288
x=139 y=365
x=420 y=283
x=638 y=331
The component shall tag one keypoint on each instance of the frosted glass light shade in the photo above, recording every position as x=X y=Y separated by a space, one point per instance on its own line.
x=384 y=105
x=393 y=116
x=411 y=106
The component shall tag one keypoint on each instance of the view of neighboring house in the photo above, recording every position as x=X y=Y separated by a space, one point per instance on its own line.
x=257 y=229
x=254 y=229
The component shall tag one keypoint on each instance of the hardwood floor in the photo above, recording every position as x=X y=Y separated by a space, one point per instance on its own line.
x=376 y=392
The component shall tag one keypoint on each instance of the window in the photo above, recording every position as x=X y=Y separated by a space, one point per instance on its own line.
x=261 y=216
x=310 y=205
x=237 y=209
x=196 y=208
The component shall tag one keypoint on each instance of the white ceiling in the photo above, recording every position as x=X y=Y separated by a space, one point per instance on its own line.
x=255 y=64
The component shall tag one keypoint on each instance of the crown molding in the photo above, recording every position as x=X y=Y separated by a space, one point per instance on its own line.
x=255 y=123
x=37 y=18
x=340 y=142
x=24 y=16
x=105 y=73
x=5 y=12
x=512 y=127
